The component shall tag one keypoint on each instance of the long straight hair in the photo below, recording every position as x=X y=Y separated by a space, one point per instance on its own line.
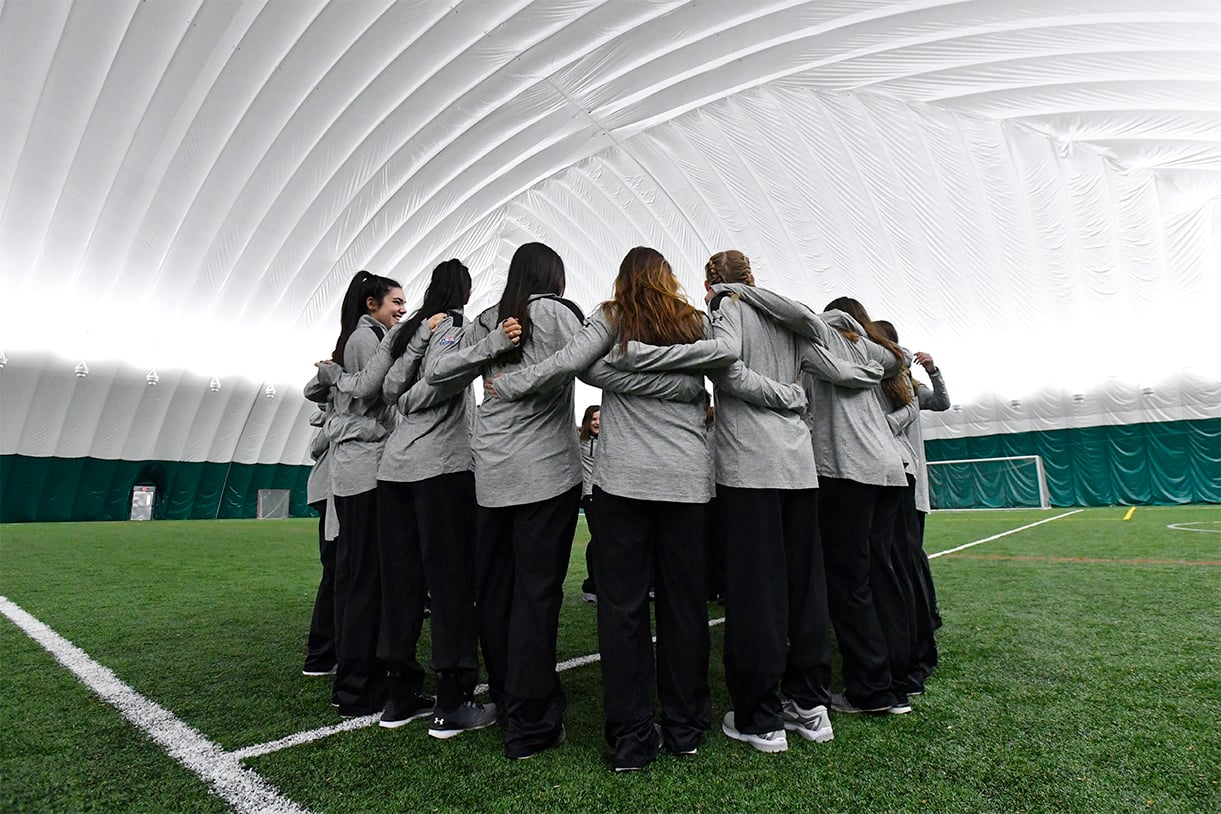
x=448 y=289
x=587 y=420
x=899 y=387
x=364 y=285
x=534 y=269
x=648 y=304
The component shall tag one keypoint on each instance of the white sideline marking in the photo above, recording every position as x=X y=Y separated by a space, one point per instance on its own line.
x=1183 y=526
x=244 y=790
x=360 y=723
x=305 y=737
x=1002 y=534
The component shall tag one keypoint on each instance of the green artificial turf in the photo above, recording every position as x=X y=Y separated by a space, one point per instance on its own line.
x=1080 y=666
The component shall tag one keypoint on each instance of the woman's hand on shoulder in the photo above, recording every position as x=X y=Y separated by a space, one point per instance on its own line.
x=512 y=329
x=434 y=321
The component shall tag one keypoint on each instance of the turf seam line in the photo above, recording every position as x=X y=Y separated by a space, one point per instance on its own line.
x=309 y=736
x=1003 y=534
x=241 y=788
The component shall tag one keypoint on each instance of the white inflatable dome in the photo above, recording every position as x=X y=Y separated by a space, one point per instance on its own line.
x=1030 y=191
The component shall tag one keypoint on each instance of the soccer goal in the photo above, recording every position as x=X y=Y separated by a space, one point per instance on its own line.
x=989 y=483
x=273 y=503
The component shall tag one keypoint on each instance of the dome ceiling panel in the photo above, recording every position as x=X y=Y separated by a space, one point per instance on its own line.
x=195 y=165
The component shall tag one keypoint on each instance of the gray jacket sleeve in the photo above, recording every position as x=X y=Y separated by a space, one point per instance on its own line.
x=585 y=348
x=406 y=369
x=936 y=399
x=900 y=419
x=661 y=386
x=367 y=382
x=817 y=359
x=721 y=350
x=747 y=385
x=465 y=351
x=316 y=391
x=422 y=395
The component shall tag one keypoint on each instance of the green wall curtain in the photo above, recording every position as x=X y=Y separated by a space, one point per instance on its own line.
x=1132 y=464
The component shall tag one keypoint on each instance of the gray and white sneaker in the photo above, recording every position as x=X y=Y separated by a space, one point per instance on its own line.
x=471 y=715
x=812 y=724
x=775 y=741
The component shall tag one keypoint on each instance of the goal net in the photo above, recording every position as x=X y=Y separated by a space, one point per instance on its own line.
x=273 y=503
x=988 y=483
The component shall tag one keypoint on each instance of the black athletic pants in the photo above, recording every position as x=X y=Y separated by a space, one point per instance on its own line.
x=924 y=644
x=521 y=559
x=402 y=585
x=643 y=538
x=589 y=584
x=320 y=646
x=776 y=604
x=714 y=550
x=360 y=680
x=846 y=510
x=890 y=580
x=437 y=517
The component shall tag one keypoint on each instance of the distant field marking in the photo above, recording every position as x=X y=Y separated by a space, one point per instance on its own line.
x=1002 y=534
x=1183 y=526
x=312 y=735
x=241 y=788
x=1090 y=560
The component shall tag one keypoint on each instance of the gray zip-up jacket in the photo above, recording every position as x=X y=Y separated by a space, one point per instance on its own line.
x=851 y=437
x=652 y=442
x=589 y=448
x=905 y=422
x=318 y=487
x=358 y=427
x=524 y=451
x=433 y=436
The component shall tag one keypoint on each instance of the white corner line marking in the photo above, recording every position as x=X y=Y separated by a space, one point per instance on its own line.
x=312 y=735
x=241 y=788
x=1002 y=534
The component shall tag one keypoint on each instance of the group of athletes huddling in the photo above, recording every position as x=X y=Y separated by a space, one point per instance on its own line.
x=467 y=511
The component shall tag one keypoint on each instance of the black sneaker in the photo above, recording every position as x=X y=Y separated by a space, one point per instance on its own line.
x=318 y=670
x=637 y=764
x=529 y=752
x=399 y=712
x=471 y=715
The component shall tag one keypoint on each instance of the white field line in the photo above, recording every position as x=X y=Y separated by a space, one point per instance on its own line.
x=359 y=723
x=242 y=789
x=1002 y=534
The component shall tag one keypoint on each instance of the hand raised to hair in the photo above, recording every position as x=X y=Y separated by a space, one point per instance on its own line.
x=922 y=358
x=512 y=329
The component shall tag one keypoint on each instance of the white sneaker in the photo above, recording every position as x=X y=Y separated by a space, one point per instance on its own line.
x=775 y=741
x=811 y=724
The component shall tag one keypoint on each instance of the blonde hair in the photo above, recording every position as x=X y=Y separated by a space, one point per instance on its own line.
x=729 y=267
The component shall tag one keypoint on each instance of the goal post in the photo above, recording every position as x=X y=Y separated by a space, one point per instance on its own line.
x=1017 y=481
x=273 y=503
